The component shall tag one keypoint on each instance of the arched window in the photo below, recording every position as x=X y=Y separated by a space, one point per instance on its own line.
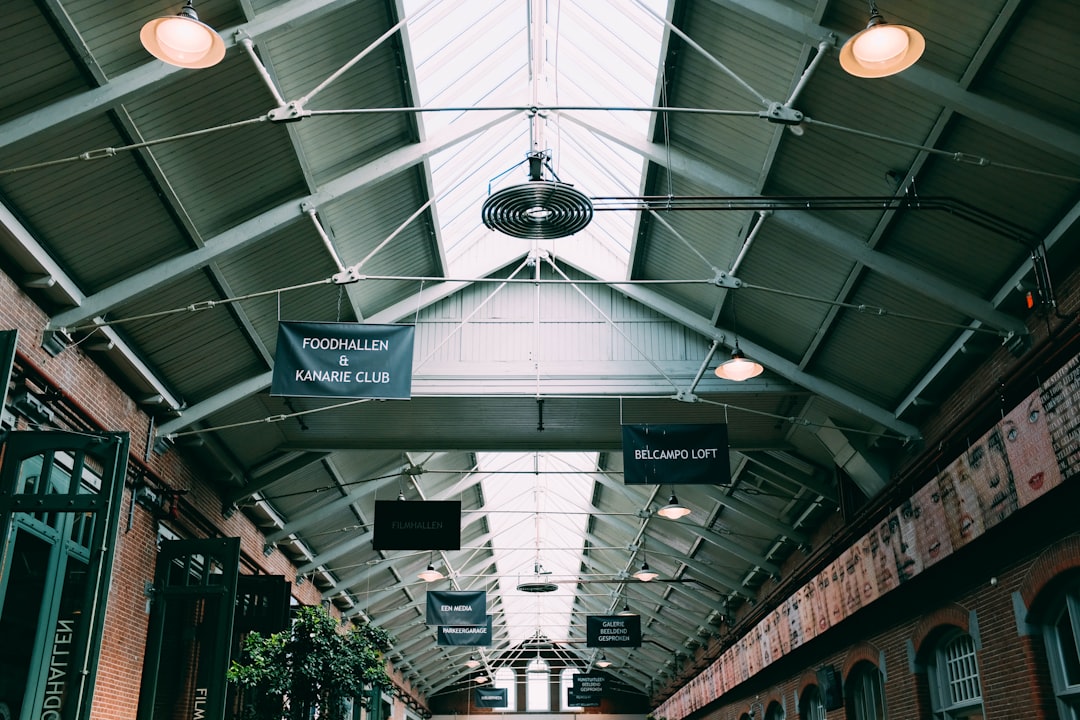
x=1061 y=630
x=865 y=693
x=505 y=677
x=811 y=704
x=538 y=686
x=775 y=711
x=566 y=681
x=953 y=675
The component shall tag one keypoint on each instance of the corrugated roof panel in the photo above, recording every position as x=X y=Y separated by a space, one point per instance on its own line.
x=222 y=177
x=180 y=343
x=785 y=305
x=110 y=224
x=37 y=67
x=292 y=256
x=308 y=55
x=1014 y=178
x=1038 y=71
x=858 y=353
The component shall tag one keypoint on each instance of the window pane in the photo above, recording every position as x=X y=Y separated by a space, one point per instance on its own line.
x=961 y=671
x=1066 y=641
x=537 y=686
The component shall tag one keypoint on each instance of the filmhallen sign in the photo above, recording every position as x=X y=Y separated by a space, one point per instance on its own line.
x=417 y=525
x=675 y=455
x=343 y=360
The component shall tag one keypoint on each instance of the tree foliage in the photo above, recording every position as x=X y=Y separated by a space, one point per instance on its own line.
x=315 y=666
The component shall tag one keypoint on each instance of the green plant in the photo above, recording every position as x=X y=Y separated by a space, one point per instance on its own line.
x=315 y=666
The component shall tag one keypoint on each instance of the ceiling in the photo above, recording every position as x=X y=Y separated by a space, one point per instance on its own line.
x=868 y=241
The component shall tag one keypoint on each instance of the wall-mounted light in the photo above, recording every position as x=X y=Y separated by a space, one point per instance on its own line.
x=183 y=40
x=881 y=49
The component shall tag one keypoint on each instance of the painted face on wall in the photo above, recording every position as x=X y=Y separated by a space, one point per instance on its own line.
x=794 y=619
x=834 y=593
x=989 y=469
x=853 y=577
x=885 y=565
x=961 y=504
x=905 y=550
x=1031 y=452
x=806 y=612
x=933 y=538
x=781 y=630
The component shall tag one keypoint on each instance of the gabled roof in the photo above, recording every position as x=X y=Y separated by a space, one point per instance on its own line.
x=868 y=241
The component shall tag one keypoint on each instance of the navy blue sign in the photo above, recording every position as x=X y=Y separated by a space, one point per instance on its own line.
x=465 y=635
x=344 y=360
x=576 y=699
x=587 y=689
x=456 y=607
x=612 y=631
x=676 y=455
x=417 y=525
x=489 y=697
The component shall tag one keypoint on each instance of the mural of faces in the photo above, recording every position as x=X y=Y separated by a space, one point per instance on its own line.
x=782 y=629
x=794 y=620
x=1031 y=452
x=854 y=576
x=905 y=550
x=806 y=612
x=961 y=506
x=933 y=538
x=885 y=558
x=986 y=467
x=834 y=591
x=1060 y=398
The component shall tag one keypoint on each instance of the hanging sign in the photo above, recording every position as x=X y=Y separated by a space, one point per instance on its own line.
x=417 y=525
x=465 y=635
x=612 y=631
x=676 y=454
x=588 y=687
x=577 y=699
x=344 y=360
x=456 y=607
x=489 y=697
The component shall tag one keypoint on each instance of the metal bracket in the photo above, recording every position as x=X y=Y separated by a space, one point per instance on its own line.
x=782 y=114
x=347 y=276
x=289 y=112
x=724 y=280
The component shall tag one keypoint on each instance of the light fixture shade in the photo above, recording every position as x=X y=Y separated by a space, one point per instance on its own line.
x=626 y=610
x=430 y=574
x=645 y=574
x=603 y=662
x=472 y=662
x=183 y=40
x=673 y=510
x=881 y=49
x=738 y=368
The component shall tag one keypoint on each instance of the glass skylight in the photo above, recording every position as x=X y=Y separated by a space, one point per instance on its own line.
x=494 y=61
x=538 y=506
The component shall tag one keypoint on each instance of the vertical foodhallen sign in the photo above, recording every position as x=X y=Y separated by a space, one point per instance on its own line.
x=344 y=360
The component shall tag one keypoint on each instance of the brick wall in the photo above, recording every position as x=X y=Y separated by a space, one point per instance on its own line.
x=86 y=386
